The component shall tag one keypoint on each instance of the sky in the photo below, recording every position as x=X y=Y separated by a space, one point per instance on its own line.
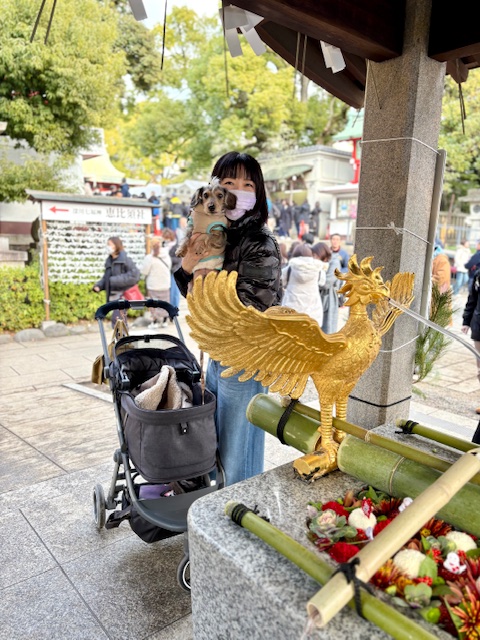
x=155 y=8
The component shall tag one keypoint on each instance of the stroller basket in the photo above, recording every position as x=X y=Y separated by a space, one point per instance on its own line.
x=166 y=444
x=170 y=444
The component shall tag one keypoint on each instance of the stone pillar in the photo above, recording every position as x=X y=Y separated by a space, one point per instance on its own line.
x=400 y=136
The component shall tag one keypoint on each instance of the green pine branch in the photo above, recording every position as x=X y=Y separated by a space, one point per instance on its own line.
x=431 y=344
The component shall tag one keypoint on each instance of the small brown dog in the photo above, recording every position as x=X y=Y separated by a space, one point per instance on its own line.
x=207 y=217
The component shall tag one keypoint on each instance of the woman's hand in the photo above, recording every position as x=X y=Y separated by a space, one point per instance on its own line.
x=465 y=328
x=96 y=289
x=197 y=249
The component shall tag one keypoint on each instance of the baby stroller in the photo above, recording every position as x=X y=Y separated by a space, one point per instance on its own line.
x=166 y=457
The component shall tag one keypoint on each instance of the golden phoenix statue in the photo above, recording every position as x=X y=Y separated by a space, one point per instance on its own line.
x=283 y=348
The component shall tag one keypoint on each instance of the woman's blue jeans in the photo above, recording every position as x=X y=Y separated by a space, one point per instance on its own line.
x=461 y=279
x=241 y=444
x=174 y=292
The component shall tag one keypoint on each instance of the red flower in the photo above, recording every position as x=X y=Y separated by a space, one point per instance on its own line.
x=435 y=554
x=425 y=579
x=380 y=526
x=342 y=551
x=447 y=575
x=335 y=506
x=360 y=537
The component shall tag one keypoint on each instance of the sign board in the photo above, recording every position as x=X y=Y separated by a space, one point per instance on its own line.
x=80 y=212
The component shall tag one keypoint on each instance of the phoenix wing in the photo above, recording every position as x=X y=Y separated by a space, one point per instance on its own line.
x=401 y=290
x=280 y=347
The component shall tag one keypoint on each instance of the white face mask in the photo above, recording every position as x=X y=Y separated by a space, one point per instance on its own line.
x=245 y=202
x=110 y=249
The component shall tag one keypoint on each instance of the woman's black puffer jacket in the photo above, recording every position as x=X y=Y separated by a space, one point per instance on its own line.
x=253 y=252
x=121 y=273
x=471 y=313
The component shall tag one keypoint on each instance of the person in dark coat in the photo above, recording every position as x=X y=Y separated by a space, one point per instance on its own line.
x=472 y=265
x=471 y=317
x=315 y=219
x=285 y=221
x=253 y=252
x=301 y=215
x=121 y=273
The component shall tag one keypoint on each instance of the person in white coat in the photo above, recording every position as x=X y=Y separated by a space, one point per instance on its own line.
x=156 y=271
x=301 y=279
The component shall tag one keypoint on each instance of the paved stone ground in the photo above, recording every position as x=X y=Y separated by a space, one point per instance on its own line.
x=63 y=579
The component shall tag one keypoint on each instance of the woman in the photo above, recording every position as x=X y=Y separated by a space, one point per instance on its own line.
x=171 y=239
x=301 y=280
x=252 y=251
x=328 y=291
x=121 y=273
x=156 y=271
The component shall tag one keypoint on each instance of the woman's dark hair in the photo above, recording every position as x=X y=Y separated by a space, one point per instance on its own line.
x=322 y=251
x=293 y=246
x=237 y=165
x=309 y=238
x=302 y=249
x=118 y=244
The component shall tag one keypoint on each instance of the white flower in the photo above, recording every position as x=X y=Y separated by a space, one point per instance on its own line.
x=405 y=503
x=463 y=541
x=327 y=517
x=452 y=563
x=359 y=520
x=408 y=561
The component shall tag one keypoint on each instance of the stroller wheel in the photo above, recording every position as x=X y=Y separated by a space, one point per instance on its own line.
x=99 y=512
x=183 y=574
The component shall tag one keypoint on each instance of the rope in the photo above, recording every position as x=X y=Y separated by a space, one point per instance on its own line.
x=296 y=63
x=225 y=57
x=362 y=142
x=400 y=347
x=380 y=406
x=240 y=510
x=163 y=37
x=392 y=227
x=50 y=21
x=408 y=427
x=284 y=419
x=349 y=570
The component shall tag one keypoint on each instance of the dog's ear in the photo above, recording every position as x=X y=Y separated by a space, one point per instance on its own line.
x=230 y=199
x=197 y=197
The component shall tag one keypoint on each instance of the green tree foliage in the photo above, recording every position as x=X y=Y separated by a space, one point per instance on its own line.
x=33 y=173
x=52 y=95
x=463 y=148
x=203 y=111
x=143 y=58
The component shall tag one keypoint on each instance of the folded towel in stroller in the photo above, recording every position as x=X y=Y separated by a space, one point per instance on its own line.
x=163 y=391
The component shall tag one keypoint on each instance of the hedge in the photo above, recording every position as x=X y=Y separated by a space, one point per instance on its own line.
x=22 y=306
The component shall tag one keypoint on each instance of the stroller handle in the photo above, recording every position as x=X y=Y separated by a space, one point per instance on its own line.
x=105 y=309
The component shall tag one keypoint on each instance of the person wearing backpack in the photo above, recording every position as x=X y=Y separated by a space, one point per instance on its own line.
x=156 y=270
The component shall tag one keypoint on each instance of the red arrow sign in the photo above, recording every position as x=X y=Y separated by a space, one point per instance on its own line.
x=55 y=209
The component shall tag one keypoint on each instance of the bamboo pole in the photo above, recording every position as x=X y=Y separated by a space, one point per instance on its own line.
x=302 y=432
x=409 y=426
x=46 y=294
x=264 y=411
x=380 y=613
x=337 y=592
